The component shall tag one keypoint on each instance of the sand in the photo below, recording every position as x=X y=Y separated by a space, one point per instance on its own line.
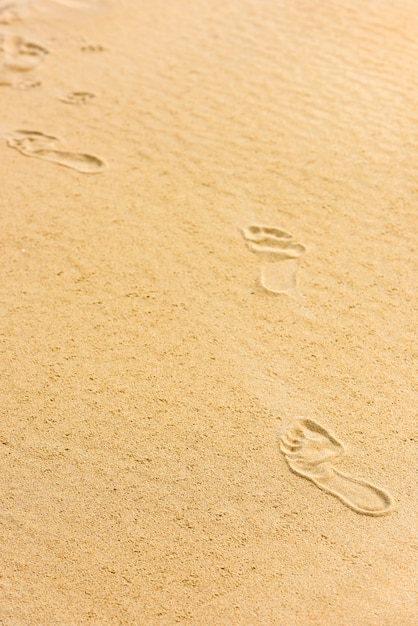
x=209 y=234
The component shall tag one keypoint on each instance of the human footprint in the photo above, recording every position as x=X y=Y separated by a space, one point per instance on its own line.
x=32 y=143
x=311 y=452
x=281 y=253
x=18 y=56
x=77 y=97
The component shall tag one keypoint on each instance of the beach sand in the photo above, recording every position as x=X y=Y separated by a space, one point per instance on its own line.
x=209 y=268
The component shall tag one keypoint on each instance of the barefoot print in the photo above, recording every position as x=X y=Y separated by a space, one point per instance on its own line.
x=311 y=452
x=18 y=56
x=78 y=97
x=32 y=143
x=281 y=254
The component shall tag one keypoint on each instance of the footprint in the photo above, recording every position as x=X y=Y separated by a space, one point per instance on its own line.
x=78 y=97
x=281 y=254
x=311 y=452
x=16 y=56
x=35 y=144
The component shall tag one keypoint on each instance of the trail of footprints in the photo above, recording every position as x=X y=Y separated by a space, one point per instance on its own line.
x=312 y=452
x=19 y=59
x=309 y=449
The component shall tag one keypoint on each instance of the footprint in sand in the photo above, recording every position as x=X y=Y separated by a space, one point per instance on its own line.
x=77 y=97
x=34 y=144
x=311 y=452
x=18 y=56
x=281 y=253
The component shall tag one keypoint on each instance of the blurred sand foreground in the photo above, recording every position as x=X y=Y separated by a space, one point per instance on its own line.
x=209 y=235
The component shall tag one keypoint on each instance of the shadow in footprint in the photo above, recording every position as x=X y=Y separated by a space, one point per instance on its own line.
x=281 y=253
x=311 y=452
x=35 y=144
